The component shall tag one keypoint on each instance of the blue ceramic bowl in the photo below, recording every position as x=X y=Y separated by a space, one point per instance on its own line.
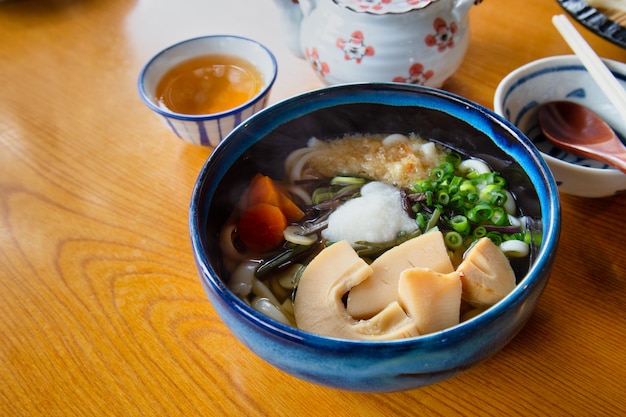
x=261 y=143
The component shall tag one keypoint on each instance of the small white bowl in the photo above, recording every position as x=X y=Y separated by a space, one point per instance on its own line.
x=209 y=129
x=563 y=77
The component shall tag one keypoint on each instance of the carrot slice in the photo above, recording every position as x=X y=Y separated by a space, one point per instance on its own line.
x=289 y=208
x=261 y=227
x=263 y=190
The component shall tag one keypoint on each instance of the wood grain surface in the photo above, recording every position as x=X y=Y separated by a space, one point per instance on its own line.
x=101 y=310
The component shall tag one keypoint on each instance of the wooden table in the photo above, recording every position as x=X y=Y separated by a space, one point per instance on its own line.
x=101 y=310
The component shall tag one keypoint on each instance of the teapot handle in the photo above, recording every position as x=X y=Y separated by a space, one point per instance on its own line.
x=291 y=20
x=306 y=6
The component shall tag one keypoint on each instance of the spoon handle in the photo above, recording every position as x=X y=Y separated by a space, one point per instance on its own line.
x=618 y=160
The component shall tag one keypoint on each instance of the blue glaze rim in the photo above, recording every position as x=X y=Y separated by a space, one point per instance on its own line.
x=396 y=94
x=203 y=117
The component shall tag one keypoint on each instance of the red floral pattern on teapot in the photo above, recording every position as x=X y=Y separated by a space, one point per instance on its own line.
x=355 y=48
x=417 y=75
x=443 y=37
x=320 y=67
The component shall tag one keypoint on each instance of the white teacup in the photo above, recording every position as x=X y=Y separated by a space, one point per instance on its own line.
x=207 y=129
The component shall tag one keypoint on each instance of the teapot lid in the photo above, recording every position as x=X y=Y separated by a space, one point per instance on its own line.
x=383 y=6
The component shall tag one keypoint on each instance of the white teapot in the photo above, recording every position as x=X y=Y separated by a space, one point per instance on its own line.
x=413 y=41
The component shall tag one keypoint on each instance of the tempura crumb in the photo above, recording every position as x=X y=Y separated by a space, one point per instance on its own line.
x=397 y=162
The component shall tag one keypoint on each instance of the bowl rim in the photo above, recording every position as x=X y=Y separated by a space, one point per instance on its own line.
x=314 y=100
x=211 y=116
x=507 y=84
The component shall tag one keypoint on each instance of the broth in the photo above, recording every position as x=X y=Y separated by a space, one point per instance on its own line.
x=208 y=84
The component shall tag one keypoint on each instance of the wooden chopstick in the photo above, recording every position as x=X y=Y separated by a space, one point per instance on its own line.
x=594 y=65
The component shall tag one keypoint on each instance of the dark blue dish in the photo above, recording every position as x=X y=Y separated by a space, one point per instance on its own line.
x=260 y=145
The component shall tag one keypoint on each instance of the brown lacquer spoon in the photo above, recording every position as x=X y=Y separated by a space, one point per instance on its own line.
x=579 y=130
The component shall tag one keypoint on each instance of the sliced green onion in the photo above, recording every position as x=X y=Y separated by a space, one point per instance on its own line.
x=467 y=187
x=493 y=194
x=347 y=180
x=460 y=224
x=344 y=191
x=321 y=194
x=421 y=220
x=499 y=180
x=436 y=174
x=422 y=186
x=454 y=158
x=434 y=219
x=480 y=213
x=453 y=240
x=496 y=237
x=457 y=203
x=479 y=232
x=429 y=198
x=472 y=202
x=532 y=238
x=472 y=198
x=499 y=217
x=443 y=198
